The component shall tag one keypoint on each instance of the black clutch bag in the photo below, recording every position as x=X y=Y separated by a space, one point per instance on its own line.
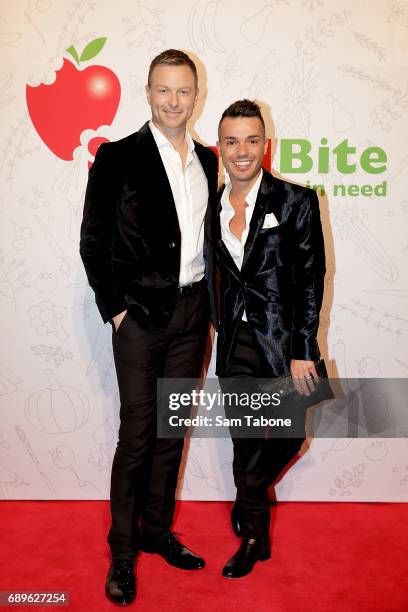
x=285 y=387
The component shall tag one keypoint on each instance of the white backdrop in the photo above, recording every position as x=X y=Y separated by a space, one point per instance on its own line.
x=320 y=69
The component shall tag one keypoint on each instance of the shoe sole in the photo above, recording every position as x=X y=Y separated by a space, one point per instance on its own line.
x=155 y=552
x=186 y=569
x=264 y=557
x=119 y=603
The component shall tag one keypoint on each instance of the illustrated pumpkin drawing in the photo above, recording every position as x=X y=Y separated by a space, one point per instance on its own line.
x=57 y=409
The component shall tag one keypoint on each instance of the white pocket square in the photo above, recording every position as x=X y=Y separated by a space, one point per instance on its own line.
x=270 y=221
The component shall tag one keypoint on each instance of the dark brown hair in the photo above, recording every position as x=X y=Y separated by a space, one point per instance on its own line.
x=173 y=57
x=243 y=108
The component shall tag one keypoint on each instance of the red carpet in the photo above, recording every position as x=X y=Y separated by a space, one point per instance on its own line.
x=326 y=557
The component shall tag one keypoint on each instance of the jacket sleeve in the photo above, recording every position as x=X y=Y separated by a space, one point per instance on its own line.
x=309 y=271
x=97 y=231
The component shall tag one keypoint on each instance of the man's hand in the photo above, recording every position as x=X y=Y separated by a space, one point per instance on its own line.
x=117 y=319
x=304 y=375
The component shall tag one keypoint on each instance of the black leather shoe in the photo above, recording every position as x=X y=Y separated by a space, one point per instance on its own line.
x=173 y=552
x=235 y=522
x=247 y=555
x=120 y=584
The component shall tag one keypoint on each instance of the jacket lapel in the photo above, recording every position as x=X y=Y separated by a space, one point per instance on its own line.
x=218 y=235
x=267 y=201
x=155 y=172
x=204 y=161
x=211 y=180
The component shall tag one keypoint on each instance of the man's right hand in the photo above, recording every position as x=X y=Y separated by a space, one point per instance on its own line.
x=117 y=319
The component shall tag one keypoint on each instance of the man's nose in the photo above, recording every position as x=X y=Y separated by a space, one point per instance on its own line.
x=173 y=99
x=242 y=148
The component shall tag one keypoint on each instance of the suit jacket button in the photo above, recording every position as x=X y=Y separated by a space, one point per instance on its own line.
x=172 y=245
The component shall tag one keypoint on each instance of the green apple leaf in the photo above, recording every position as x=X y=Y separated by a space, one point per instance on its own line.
x=73 y=52
x=92 y=49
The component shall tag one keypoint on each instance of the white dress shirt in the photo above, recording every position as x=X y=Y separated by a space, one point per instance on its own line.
x=190 y=193
x=233 y=244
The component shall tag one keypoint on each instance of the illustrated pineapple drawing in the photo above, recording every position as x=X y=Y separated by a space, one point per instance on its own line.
x=294 y=120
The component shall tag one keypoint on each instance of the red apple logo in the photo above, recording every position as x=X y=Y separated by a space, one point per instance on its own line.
x=77 y=100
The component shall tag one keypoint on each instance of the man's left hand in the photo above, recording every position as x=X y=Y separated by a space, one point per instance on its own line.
x=304 y=375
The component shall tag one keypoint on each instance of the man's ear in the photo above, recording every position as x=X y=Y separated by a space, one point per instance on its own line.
x=265 y=146
x=147 y=90
x=196 y=96
x=218 y=147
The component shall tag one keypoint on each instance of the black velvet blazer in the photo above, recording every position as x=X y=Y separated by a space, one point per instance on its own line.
x=130 y=236
x=280 y=284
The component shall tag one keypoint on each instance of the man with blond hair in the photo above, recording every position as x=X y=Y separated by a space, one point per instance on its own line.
x=146 y=248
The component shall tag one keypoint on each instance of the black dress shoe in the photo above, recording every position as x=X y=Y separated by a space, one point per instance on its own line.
x=247 y=555
x=235 y=522
x=120 y=584
x=173 y=552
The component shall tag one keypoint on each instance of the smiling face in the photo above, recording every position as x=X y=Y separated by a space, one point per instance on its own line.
x=172 y=95
x=242 y=146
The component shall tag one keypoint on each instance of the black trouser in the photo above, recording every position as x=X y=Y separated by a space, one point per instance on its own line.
x=145 y=468
x=257 y=461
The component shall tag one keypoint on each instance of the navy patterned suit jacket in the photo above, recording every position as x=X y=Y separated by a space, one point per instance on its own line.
x=281 y=281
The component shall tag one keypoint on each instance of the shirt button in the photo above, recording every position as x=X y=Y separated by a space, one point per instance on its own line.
x=172 y=245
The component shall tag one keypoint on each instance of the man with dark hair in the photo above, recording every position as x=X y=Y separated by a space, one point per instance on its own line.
x=270 y=254
x=146 y=248
x=242 y=108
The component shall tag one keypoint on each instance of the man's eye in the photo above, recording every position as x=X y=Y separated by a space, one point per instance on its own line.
x=162 y=90
x=184 y=92
x=254 y=141
x=230 y=142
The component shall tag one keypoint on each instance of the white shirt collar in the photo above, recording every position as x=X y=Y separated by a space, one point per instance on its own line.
x=162 y=141
x=250 y=198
